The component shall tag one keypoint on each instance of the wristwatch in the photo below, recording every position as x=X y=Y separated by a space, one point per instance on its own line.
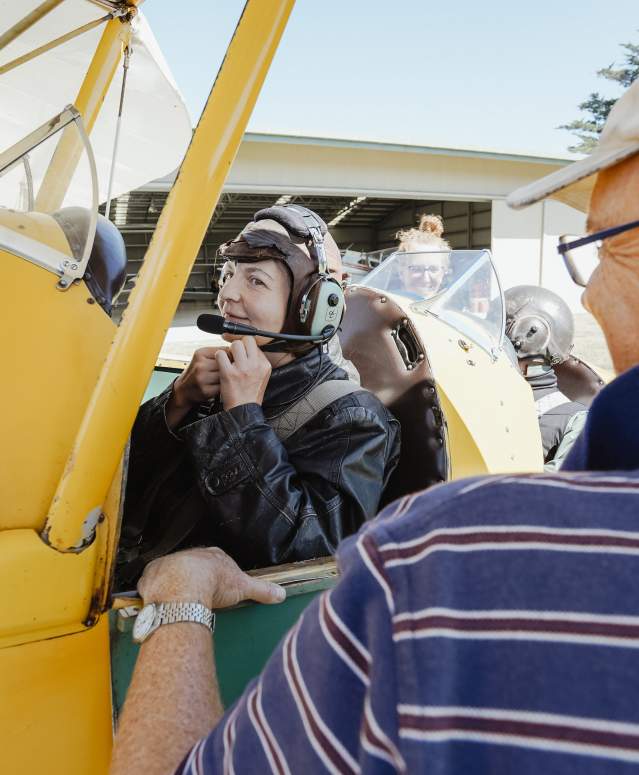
x=154 y=615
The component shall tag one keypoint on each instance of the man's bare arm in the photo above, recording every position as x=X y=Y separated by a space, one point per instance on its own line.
x=172 y=702
x=174 y=699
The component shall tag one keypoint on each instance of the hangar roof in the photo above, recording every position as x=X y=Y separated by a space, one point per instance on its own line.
x=141 y=209
x=375 y=145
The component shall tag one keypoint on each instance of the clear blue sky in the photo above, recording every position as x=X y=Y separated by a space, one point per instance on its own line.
x=470 y=73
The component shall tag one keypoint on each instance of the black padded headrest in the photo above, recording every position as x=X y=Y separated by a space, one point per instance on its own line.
x=106 y=270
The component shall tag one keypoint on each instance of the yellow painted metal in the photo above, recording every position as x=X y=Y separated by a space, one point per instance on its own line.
x=490 y=413
x=177 y=238
x=115 y=38
x=107 y=537
x=28 y=21
x=55 y=713
x=45 y=594
x=21 y=60
x=54 y=345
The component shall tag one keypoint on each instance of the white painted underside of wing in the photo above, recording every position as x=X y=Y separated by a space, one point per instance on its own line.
x=156 y=126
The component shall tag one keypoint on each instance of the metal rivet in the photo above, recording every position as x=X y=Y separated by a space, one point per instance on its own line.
x=420 y=357
x=383 y=300
x=90 y=301
x=74 y=266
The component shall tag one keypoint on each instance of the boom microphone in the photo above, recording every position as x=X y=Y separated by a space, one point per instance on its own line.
x=215 y=324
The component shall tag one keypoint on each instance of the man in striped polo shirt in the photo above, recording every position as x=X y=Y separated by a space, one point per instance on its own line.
x=490 y=625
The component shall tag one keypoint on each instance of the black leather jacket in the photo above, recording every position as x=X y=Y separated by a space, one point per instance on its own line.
x=228 y=480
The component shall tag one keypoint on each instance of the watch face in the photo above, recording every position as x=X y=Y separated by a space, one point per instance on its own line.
x=143 y=623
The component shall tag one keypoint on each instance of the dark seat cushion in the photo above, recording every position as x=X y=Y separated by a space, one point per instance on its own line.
x=106 y=270
x=391 y=359
x=578 y=381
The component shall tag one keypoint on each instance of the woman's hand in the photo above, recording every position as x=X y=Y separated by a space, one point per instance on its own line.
x=243 y=379
x=199 y=382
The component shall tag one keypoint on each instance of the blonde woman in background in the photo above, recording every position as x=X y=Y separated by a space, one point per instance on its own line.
x=425 y=266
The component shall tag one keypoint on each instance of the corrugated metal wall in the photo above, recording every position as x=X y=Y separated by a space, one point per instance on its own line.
x=364 y=223
x=466 y=224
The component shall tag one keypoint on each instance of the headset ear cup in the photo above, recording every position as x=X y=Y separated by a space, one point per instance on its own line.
x=324 y=303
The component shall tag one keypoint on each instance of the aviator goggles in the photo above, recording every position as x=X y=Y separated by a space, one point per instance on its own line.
x=581 y=266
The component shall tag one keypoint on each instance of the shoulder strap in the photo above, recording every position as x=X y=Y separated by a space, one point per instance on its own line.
x=306 y=408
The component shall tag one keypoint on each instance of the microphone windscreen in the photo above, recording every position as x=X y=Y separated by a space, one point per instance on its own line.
x=212 y=324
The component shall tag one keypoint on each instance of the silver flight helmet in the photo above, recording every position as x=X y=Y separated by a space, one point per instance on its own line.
x=539 y=324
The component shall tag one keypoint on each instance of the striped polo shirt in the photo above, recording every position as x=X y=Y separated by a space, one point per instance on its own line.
x=484 y=626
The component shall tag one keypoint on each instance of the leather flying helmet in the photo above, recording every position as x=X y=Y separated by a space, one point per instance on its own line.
x=539 y=324
x=299 y=238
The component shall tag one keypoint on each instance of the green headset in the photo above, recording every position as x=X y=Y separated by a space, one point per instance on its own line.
x=320 y=304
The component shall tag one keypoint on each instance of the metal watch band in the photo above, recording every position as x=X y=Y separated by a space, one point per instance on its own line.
x=170 y=613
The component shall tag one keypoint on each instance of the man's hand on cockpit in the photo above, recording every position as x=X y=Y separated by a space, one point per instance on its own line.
x=207 y=576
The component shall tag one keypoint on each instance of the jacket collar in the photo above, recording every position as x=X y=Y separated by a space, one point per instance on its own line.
x=290 y=382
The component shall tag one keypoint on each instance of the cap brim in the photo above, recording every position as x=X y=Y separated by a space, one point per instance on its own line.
x=572 y=184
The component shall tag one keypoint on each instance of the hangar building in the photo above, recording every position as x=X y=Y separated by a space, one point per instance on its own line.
x=366 y=191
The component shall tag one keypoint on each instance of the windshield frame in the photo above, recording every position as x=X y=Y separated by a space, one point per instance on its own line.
x=490 y=343
x=69 y=269
x=437 y=300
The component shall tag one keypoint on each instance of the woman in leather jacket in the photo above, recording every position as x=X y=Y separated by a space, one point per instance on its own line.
x=209 y=464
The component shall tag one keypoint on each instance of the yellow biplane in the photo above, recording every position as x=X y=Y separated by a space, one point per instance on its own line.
x=73 y=379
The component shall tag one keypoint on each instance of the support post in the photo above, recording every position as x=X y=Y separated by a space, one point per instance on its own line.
x=112 y=408
x=28 y=21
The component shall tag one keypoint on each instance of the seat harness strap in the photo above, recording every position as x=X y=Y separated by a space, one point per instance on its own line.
x=290 y=421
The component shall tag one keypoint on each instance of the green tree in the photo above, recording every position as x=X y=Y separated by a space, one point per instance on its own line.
x=597 y=107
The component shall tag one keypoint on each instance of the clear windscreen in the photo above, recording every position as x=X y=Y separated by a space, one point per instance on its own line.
x=52 y=176
x=16 y=186
x=460 y=287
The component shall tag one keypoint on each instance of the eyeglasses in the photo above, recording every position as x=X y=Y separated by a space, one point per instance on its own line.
x=419 y=269
x=581 y=267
